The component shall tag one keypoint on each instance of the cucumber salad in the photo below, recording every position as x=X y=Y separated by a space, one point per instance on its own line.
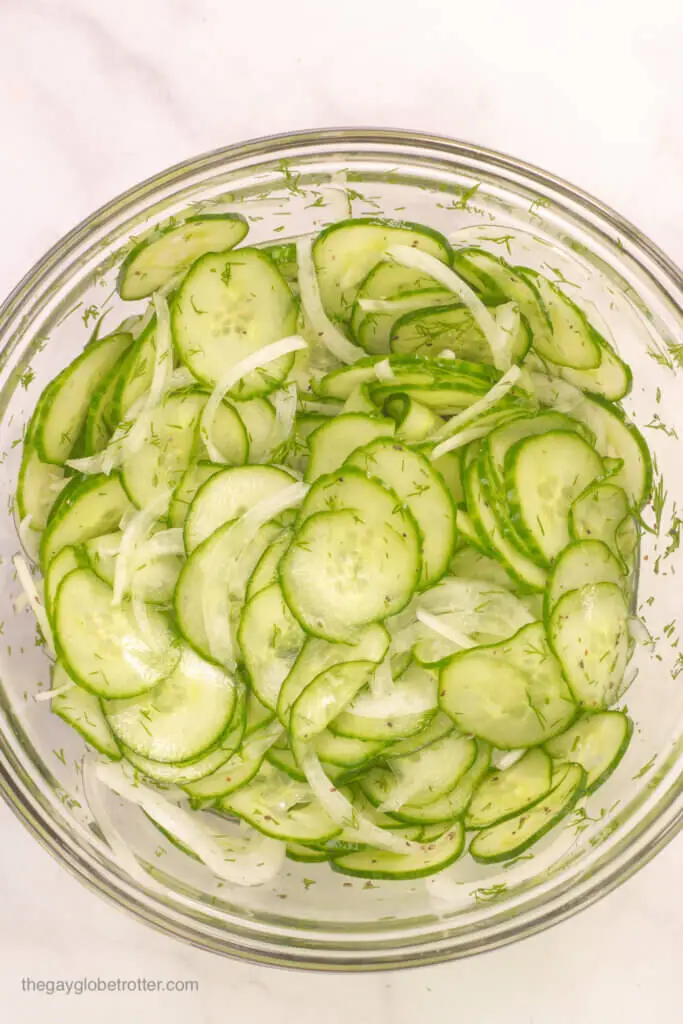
x=333 y=545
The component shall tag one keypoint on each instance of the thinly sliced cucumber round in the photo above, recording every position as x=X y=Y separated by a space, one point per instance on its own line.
x=597 y=742
x=63 y=412
x=421 y=778
x=258 y=417
x=316 y=656
x=612 y=379
x=474 y=565
x=414 y=422
x=332 y=443
x=598 y=513
x=194 y=476
x=267 y=568
x=228 y=435
x=258 y=715
x=435 y=856
x=512 y=837
x=436 y=729
x=588 y=631
x=242 y=766
x=281 y=808
x=62 y=564
x=83 y=712
x=346 y=752
x=580 y=564
x=137 y=371
x=271 y=640
x=345 y=252
x=182 y=718
x=159 y=463
x=544 y=475
x=575 y=343
x=227 y=495
x=325 y=697
x=397 y=289
x=412 y=478
x=503 y=438
x=406 y=371
x=86 y=508
x=511 y=694
x=169 y=253
x=340 y=574
x=229 y=306
x=38 y=488
x=427 y=332
x=155 y=580
x=456 y=801
x=306 y=854
x=100 y=422
x=505 y=793
x=103 y=647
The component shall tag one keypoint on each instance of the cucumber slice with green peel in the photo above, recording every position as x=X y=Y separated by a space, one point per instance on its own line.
x=316 y=656
x=182 y=718
x=598 y=513
x=284 y=258
x=387 y=294
x=227 y=496
x=492 y=538
x=270 y=640
x=455 y=802
x=100 y=422
x=159 y=464
x=597 y=742
x=427 y=332
x=62 y=564
x=258 y=715
x=192 y=479
x=281 y=808
x=414 y=421
x=436 y=729
x=588 y=631
x=472 y=535
x=258 y=416
x=341 y=574
x=504 y=437
x=511 y=838
x=86 y=508
x=212 y=585
x=448 y=398
x=421 y=778
x=612 y=379
x=229 y=306
x=502 y=794
x=155 y=579
x=102 y=646
x=616 y=437
x=575 y=343
x=170 y=252
x=406 y=371
x=280 y=756
x=544 y=475
x=325 y=697
x=472 y=564
x=412 y=478
x=38 y=488
x=363 y=727
x=581 y=563
x=228 y=435
x=511 y=694
x=345 y=752
x=83 y=712
x=345 y=252
x=190 y=772
x=302 y=854
x=267 y=568
x=497 y=282
x=332 y=443
x=137 y=371
x=449 y=469
x=380 y=864
x=237 y=771
x=64 y=410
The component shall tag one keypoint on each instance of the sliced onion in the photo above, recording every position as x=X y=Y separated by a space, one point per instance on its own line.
x=434 y=623
x=408 y=256
x=256 y=361
x=29 y=587
x=46 y=695
x=382 y=682
x=135 y=532
x=383 y=370
x=166 y=542
x=504 y=759
x=29 y=538
x=638 y=630
x=473 y=412
x=331 y=337
x=338 y=195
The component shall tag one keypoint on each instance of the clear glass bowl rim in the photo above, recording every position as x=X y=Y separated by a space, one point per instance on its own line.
x=628 y=855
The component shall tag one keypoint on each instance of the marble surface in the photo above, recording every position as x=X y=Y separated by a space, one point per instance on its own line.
x=95 y=96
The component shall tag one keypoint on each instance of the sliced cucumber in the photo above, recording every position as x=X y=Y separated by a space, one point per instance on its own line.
x=229 y=306
x=258 y=417
x=340 y=574
x=387 y=293
x=472 y=564
x=332 y=443
x=281 y=808
x=504 y=437
x=346 y=752
x=267 y=567
x=414 y=422
x=429 y=774
x=227 y=496
x=137 y=370
x=345 y=252
x=435 y=856
x=62 y=564
x=575 y=344
x=588 y=631
x=412 y=478
x=325 y=697
x=170 y=252
x=270 y=639
x=192 y=479
x=598 y=513
x=86 y=508
x=38 y=488
x=100 y=422
x=455 y=802
x=511 y=694
x=544 y=475
x=182 y=718
x=597 y=742
x=612 y=379
x=102 y=646
x=229 y=436
x=83 y=712
x=240 y=768
x=512 y=837
x=505 y=793
x=155 y=579
x=580 y=564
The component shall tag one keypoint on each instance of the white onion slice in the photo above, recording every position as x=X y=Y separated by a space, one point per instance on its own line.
x=473 y=412
x=139 y=525
x=29 y=538
x=331 y=337
x=434 y=623
x=29 y=587
x=46 y=695
x=383 y=370
x=338 y=196
x=262 y=357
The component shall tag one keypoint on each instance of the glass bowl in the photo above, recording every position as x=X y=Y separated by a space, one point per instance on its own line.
x=310 y=917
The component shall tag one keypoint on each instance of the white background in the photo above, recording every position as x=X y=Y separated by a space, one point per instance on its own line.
x=95 y=96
